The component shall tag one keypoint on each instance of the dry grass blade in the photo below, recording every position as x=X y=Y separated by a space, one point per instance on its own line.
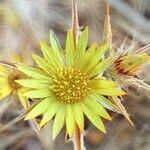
x=78 y=137
x=117 y=101
x=11 y=123
x=34 y=123
x=17 y=119
x=5 y=104
x=8 y=64
x=138 y=83
x=143 y=49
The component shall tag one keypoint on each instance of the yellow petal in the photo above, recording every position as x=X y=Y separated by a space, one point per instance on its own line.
x=56 y=47
x=4 y=92
x=94 y=118
x=54 y=41
x=96 y=57
x=85 y=59
x=46 y=50
x=40 y=93
x=3 y=81
x=22 y=98
x=106 y=103
x=33 y=72
x=50 y=57
x=34 y=83
x=82 y=44
x=56 y=64
x=110 y=92
x=96 y=107
x=79 y=117
x=101 y=66
x=39 y=109
x=96 y=84
x=101 y=50
x=69 y=49
x=58 y=121
x=50 y=113
x=4 y=71
x=42 y=64
x=70 y=120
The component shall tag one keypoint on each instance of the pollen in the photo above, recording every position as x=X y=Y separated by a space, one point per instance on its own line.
x=70 y=85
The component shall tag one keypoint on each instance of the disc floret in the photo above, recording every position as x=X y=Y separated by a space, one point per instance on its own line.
x=70 y=85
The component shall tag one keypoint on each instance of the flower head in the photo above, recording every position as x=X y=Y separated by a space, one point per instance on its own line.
x=127 y=67
x=9 y=86
x=69 y=84
x=128 y=64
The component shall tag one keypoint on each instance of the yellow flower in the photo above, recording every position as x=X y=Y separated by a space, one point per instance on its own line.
x=8 y=85
x=69 y=84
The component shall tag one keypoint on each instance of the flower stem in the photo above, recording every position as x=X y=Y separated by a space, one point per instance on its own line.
x=78 y=139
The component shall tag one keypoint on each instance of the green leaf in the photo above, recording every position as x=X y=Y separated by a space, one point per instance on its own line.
x=39 y=109
x=59 y=121
x=94 y=118
x=69 y=49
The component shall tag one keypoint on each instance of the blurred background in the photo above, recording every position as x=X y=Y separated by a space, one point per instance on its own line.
x=23 y=23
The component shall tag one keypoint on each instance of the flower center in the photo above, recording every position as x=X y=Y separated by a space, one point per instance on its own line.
x=70 y=85
x=15 y=75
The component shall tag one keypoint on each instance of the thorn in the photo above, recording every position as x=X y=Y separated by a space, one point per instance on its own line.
x=107 y=34
x=75 y=23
